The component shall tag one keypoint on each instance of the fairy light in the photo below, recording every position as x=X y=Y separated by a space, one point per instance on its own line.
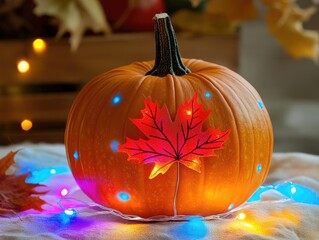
x=241 y=216
x=64 y=192
x=69 y=212
x=208 y=94
x=116 y=99
x=114 y=146
x=39 y=45
x=189 y=112
x=76 y=155
x=53 y=171
x=23 y=66
x=26 y=125
x=260 y=104
x=293 y=190
x=123 y=196
x=231 y=206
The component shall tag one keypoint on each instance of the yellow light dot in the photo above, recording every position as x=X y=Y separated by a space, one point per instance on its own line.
x=26 y=125
x=23 y=66
x=39 y=45
x=188 y=112
x=241 y=216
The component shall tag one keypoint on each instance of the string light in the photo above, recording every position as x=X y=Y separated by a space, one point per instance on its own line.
x=64 y=192
x=188 y=112
x=241 y=216
x=39 y=45
x=69 y=212
x=26 y=125
x=23 y=66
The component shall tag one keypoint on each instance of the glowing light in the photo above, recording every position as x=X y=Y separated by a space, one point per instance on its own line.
x=241 y=216
x=123 y=196
x=23 y=66
x=26 y=125
x=293 y=190
x=188 y=112
x=76 y=155
x=231 y=206
x=260 y=104
x=115 y=146
x=116 y=99
x=39 y=45
x=64 y=192
x=259 y=168
x=208 y=94
x=53 y=171
x=194 y=228
x=69 y=212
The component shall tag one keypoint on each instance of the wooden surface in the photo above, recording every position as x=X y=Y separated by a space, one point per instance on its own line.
x=45 y=93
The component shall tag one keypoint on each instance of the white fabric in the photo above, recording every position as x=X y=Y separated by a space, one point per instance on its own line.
x=266 y=219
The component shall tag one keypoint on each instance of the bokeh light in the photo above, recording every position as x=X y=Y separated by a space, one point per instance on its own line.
x=26 y=125
x=39 y=45
x=23 y=66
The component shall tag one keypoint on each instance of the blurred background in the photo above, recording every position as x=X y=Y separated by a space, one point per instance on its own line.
x=50 y=48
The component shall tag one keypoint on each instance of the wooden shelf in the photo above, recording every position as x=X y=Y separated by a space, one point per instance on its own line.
x=35 y=95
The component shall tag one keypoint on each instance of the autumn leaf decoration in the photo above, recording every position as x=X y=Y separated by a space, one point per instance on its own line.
x=169 y=142
x=15 y=194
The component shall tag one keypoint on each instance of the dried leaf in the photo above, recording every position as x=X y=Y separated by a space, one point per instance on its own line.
x=75 y=17
x=6 y=162
x=284 y=20
x=220 y=17
x=15 y=194
x=170 y=141
x=236 y=11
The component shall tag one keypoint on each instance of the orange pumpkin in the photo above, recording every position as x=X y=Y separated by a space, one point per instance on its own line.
x=101 y=119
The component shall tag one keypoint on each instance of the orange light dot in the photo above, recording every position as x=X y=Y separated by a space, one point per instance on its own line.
x=241 y=216
x=39 y=45
x=23 y=66
x=26 y=125
x=188 y=112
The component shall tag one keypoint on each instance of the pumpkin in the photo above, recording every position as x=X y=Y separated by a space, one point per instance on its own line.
x=109 y=120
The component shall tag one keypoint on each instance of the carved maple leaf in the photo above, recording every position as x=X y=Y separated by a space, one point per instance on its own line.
x=15 y=194
x=170 y=141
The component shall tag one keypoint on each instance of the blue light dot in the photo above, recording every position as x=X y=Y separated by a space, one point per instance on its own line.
x=115 y=146
x=116 y=99
x=260 y=104
x=53 y=171
x=208 y=94
x=259 y=168
x=123 y=196
x=231 y=206
x=76 y=155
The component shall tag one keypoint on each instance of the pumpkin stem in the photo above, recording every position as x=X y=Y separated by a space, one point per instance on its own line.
x=168 y=59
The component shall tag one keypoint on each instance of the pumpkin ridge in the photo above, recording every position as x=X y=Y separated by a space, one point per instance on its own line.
x=231 y=111
x=265 y=117
x=252 y=135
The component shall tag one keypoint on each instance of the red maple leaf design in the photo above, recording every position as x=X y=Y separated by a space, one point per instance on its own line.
x=171 y=141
